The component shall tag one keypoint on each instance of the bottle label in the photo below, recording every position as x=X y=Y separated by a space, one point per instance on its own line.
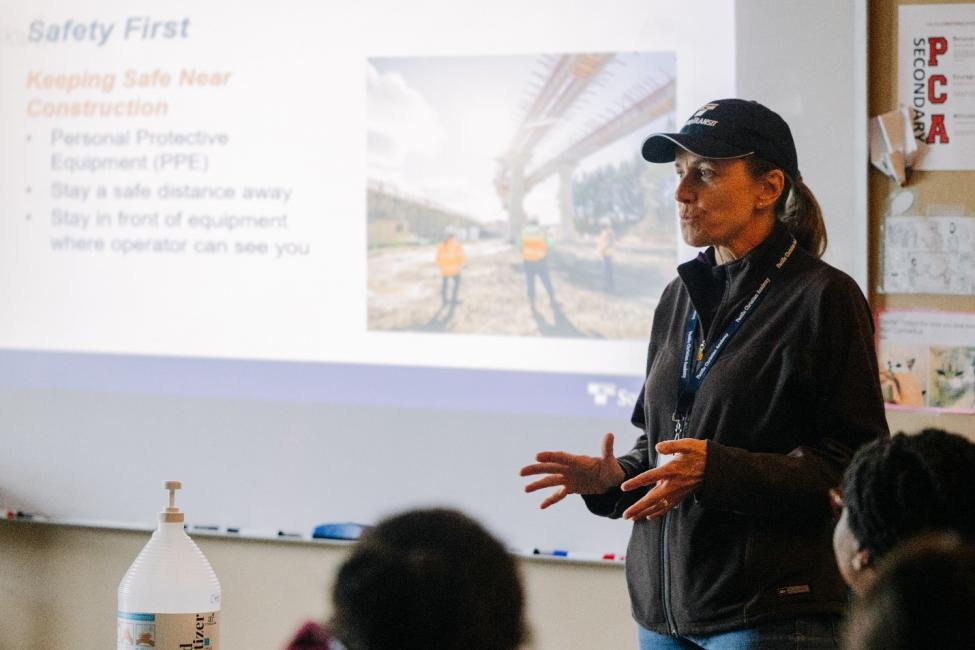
x=195 y=631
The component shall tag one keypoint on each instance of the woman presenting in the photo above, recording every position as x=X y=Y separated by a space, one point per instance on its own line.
x=761 y=382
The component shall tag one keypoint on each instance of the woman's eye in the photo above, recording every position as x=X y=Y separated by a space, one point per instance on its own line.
x=697 y=172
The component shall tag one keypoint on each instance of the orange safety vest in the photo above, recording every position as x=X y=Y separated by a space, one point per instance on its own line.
x=450 y=257
x=533 y=245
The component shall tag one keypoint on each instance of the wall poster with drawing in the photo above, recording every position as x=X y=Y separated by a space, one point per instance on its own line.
x=929 y=255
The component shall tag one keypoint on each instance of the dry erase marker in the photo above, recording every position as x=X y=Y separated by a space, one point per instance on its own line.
x=30 y=516
x=552 y=553
x=206 y=529
x=591 y=557
x=252 y=532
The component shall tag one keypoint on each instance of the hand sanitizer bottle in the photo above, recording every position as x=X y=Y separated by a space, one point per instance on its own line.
x=169 y=598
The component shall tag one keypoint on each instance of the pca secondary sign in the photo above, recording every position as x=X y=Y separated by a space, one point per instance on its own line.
x=936 y=81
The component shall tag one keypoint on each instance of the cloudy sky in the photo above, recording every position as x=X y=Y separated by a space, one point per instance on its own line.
x=437 y=125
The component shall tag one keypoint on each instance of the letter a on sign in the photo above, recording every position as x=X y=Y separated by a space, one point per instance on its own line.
x=938 y=130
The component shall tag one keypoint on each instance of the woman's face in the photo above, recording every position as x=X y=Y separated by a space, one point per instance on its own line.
x=720 y=203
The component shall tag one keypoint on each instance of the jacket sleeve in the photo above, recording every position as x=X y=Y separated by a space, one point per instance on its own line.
x=848 y=413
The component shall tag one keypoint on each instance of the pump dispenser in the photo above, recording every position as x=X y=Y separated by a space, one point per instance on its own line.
x=169 y=599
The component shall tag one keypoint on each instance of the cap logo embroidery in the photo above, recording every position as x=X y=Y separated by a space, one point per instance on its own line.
x=704 y=109
x=697 y=119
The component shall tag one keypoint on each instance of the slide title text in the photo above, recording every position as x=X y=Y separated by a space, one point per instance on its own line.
x=143 y=28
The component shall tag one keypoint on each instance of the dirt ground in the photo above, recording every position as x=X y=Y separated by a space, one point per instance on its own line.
x=405 y=291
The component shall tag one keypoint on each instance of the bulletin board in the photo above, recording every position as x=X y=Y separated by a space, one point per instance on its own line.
x=936 y=193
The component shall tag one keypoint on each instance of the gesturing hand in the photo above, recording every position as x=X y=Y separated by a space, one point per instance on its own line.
x=575 y=474
x=674 y=481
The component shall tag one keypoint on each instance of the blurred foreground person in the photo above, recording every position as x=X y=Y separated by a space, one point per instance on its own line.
x=896 y=489
x=923 y=597
x=424 y=580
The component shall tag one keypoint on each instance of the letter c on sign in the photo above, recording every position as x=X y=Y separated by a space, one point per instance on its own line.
x=933 y=96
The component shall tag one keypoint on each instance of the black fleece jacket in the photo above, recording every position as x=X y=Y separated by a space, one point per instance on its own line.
x=785 y=405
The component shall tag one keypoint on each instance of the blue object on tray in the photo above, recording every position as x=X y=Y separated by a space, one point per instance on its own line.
x=339 y=531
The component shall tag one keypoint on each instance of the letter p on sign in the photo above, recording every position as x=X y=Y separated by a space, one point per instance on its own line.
x=938 y=45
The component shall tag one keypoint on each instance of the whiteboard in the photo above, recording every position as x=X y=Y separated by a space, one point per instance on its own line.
x=264 y=386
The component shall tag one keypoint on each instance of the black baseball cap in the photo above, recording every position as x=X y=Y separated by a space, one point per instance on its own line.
x=730 y=128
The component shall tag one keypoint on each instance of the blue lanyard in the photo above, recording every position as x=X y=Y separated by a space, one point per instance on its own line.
x=690 y=379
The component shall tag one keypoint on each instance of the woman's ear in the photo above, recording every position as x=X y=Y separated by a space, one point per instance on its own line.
x=772 y=186
x=861 y=560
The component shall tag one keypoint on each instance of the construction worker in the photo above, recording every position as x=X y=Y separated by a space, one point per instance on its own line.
x=450 y=259
x=604 y=246
x=534 y=253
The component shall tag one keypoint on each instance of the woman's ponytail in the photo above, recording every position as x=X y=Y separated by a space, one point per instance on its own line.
x=797 y=208
x=800 y=211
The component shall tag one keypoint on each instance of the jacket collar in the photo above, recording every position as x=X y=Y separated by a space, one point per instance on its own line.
x=710 y=284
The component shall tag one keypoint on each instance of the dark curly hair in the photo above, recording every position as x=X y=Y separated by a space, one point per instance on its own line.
x=910 y=484
x=430 y=579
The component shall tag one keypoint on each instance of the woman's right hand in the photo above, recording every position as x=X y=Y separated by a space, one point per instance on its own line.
x=575 y=474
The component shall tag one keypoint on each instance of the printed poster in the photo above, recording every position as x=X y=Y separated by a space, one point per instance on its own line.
x=927 y=360
x=929 y=255
x=936 y=81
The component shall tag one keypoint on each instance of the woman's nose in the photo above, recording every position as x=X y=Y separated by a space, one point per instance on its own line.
x=683 y=193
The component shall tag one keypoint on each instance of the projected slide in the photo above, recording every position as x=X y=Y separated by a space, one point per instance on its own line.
x=352 y=189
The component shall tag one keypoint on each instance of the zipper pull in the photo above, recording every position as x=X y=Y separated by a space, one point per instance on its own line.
x=700 y=351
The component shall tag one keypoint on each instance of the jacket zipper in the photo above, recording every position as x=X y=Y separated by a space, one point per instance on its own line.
x=665 y=563
x=664 y=546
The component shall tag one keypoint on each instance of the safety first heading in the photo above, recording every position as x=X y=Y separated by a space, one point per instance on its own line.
x=96 y=32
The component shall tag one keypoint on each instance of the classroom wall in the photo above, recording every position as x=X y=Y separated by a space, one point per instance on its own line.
x=58 y=590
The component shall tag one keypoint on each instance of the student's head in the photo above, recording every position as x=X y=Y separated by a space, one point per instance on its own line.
x=748 y=152
x=430 y=579
x=896 y=489
x=923 y=597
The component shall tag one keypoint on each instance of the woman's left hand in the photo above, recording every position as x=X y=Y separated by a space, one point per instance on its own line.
x=674 y=481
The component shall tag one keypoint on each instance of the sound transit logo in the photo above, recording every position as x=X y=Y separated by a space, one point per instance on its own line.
x=607 y=393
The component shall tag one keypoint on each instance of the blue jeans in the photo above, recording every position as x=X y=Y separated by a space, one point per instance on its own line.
x=539 y=268
x=802 y=633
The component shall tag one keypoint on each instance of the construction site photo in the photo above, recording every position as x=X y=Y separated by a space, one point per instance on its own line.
x=507 y=195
